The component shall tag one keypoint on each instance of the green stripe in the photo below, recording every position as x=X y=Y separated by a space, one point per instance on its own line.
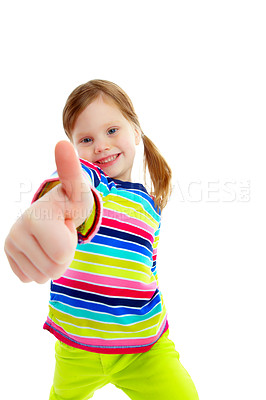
x=95 y=248
x=108 y=261
x=107 y=318
x=86 y=323
x=131 y=209
x=136 y=199
x=105 y=332
x=103 y=189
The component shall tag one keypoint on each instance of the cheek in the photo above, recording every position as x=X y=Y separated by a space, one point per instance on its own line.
x=128 y=144
x=84 y=153
x=131 y=151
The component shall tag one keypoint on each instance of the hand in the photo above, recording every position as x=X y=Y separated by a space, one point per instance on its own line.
x=42 y=242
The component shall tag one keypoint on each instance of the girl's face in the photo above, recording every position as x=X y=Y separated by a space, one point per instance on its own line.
x=103 y=136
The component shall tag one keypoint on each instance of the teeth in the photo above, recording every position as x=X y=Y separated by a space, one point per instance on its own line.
x=108 y=159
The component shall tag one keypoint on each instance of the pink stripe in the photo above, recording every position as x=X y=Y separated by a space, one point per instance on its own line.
x=91 y=166
x=97 y=219
x=106 y=291
x=104 y=280
x=36 y=195
x=130 y=220
x=121 y=225
x=108 y=342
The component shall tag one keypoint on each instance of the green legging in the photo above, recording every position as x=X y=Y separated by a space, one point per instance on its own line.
x=154 y=375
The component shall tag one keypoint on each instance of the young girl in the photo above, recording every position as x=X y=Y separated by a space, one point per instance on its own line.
x=95 y=233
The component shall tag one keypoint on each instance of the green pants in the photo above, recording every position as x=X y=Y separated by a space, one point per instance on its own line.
x=154 y=375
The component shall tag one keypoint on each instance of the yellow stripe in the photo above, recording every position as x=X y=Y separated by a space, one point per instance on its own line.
x=90 y=324
x=131 y=209
x=125 y=273
x=47 y=187
x=111 y=261
x=87 y=224
x=156 y=241
x=87 y=332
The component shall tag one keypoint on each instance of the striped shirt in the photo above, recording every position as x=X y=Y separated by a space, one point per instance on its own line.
x=108 y=300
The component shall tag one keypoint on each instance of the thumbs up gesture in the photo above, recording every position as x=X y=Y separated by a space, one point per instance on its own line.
x=42 y=242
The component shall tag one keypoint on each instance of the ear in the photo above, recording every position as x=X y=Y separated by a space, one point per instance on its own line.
x=137 y=136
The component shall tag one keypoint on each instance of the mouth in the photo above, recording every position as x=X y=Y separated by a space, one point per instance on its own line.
x=106 y=161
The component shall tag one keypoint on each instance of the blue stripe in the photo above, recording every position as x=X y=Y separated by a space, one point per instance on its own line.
x=103 y=308
x=139 y=197
x=113 y=319
x=94 y=248
x=128 y=236
x=103 y=299
x=119 y=244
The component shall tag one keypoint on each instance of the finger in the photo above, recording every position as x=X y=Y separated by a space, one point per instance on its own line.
x=31 y=248
x=56 y=240
x=24 y=269
x=47 y=225
x=17 y=271
x=71 y=226
x=24 y=263
x=69 y=170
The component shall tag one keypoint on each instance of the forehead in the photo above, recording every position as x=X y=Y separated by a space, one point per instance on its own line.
x=101 y=111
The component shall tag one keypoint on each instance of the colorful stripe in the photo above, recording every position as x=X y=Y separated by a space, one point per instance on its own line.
x=108 y=300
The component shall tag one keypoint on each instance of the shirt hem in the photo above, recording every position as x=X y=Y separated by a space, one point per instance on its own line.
x=103 y=350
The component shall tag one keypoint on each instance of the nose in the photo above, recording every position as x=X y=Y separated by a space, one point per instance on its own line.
x=100 y=146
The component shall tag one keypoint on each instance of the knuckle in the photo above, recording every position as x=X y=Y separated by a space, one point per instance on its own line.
x=57 y=256
x=24 y=279
x=54 y=271
x=41 y=279
x=6 y=245
x=60 y=255
x=29 y=219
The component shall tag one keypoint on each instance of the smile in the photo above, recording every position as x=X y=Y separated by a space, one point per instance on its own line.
x=108 y=160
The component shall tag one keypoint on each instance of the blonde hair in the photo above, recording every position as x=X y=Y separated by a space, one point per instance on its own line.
x=85 y=94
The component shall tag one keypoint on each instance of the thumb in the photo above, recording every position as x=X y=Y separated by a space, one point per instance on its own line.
x=69 y=170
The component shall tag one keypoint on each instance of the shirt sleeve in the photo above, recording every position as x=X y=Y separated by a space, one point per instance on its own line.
x=88 y=229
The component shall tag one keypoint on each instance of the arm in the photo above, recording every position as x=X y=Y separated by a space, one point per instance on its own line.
x=42 y=242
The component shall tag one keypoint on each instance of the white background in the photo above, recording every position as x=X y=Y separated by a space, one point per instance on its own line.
x=195 y=71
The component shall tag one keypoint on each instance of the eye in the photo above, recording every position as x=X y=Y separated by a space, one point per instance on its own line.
x=112 y=131
x=86 y=140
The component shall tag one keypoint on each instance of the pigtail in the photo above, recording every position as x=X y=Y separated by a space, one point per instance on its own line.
x=160 y=173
